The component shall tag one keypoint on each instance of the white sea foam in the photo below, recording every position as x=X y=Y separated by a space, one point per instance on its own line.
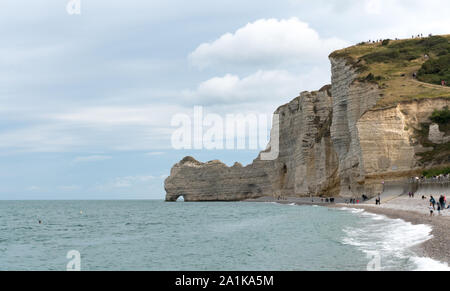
x=427 y=264
x=392 y=240
x=352 y=210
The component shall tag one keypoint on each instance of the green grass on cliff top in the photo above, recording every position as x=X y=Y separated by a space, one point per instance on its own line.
x=391 y=65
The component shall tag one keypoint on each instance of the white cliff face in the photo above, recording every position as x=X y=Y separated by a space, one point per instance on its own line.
x=351 y=99
x=388 y=139
x=385 y=142
x=305 y=146
x=307 y=163
x=332 y=143
x=374 y=145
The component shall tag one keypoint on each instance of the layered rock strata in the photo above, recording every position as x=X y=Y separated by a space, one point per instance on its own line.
x=332 y=142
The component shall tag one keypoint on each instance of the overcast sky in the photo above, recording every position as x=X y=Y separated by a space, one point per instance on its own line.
x=86 y=100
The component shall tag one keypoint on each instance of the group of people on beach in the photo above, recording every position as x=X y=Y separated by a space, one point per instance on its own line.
x=327 y=200
x=440 y=204
x=352 y=201
x=364 y=198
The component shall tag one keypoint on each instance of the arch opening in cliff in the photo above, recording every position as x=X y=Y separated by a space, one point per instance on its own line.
x=176 y=198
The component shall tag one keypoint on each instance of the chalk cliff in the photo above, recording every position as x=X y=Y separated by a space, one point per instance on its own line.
x=343 y=140
x=307 y=162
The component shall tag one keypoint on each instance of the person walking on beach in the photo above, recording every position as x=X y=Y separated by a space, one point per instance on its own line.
x=441 y=202
x=433 y=202
x=431 y=209
x=379 y=199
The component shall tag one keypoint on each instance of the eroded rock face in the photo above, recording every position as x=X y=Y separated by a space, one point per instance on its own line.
x=215 y=181
x=374 y=145
x=307 y=162
x=351 y=99
x=389 y=147
x=332 y=143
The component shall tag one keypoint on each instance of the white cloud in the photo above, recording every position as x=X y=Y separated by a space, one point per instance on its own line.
x=116 y=115
x=39 y=138
x=260 y=86
x=89 y=159
x=379 y=19
x=266 y=41
x=92 y=129
x=373 y=6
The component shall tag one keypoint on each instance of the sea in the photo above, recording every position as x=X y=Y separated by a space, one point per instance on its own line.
x=155 y=235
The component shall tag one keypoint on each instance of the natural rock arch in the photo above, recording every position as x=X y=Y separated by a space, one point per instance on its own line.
x=176 y=198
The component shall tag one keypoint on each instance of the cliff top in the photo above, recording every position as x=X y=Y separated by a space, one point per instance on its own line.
x=193 y=163
x=404 y=70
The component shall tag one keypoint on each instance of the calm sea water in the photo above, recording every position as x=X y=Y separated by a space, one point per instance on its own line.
x=154 y=235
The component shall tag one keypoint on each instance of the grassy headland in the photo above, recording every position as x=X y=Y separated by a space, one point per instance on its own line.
x=404 y=69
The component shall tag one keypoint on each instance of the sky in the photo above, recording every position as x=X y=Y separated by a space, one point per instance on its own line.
x=87 y=100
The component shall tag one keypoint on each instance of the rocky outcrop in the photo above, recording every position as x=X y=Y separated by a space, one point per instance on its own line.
x=215 y=181
x=333 y=142
x=436 y=136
